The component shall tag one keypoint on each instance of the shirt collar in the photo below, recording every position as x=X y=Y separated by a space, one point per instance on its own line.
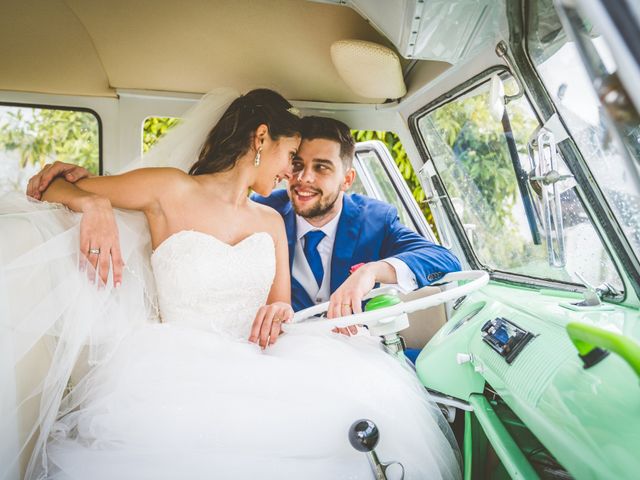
x=329 y=229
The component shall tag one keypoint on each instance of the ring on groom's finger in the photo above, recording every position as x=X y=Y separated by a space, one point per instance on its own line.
x=346 y=305
x=94 y=251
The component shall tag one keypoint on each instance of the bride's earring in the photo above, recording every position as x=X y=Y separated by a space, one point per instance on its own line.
x=256 y=161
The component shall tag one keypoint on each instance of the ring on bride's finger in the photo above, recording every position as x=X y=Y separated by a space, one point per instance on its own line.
x=94 y=251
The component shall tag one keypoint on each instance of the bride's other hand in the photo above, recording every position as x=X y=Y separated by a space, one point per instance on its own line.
x=267 y=325
x=41 y=180
x=99 y=239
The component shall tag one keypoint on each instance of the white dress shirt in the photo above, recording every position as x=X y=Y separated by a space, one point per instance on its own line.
x=302 y=272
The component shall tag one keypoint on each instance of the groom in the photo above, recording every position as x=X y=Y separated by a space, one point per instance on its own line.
x=340 y=244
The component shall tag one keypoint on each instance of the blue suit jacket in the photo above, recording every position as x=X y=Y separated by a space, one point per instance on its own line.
x=368 y=230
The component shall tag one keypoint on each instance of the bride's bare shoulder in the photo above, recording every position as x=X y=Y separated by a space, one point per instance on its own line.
x=158 y=174
x=268 y=219
x=266 y=212
x=169 y=173
x=169 y=179
x=164 y=183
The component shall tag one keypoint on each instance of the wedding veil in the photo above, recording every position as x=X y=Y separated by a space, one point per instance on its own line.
x=54 y=322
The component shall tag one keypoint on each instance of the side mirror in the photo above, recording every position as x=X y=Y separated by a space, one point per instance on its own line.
x=496 y=98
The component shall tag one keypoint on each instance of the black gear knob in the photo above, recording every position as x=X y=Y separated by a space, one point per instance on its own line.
x=364 y=435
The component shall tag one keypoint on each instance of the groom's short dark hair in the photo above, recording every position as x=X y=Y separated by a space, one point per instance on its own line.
x=330 y=129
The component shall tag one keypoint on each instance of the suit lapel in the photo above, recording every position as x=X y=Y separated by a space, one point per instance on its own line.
x=345 y=243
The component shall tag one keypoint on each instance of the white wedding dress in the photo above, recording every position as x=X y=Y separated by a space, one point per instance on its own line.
x=187 y=396
x=192 y=398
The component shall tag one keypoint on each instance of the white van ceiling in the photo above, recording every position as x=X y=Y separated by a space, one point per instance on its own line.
x=89 y=47
x=449 y=31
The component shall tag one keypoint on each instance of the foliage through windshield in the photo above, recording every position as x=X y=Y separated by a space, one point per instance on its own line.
x=470 y=152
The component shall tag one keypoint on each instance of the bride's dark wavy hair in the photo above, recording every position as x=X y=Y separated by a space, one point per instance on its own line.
x=231 y=137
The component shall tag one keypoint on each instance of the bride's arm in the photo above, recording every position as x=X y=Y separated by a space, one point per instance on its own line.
x=95 y=197
x=135 y=190
x=267 y=325
x=281 y=287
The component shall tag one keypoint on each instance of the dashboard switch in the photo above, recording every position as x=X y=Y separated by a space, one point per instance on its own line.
x=462 y=358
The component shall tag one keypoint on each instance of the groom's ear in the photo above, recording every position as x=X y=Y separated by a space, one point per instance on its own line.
x=349 y=178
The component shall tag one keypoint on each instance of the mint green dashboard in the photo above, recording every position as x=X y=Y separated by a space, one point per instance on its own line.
x=589 y=419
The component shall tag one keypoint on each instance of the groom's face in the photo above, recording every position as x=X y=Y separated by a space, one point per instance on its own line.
x=318 y=179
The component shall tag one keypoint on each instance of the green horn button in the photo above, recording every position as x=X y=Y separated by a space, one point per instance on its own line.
x=382 y=301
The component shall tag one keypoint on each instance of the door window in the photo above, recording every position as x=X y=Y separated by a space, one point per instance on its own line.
x=154 y=128
x=380 y=178
x=380 y=184
x=31 y=137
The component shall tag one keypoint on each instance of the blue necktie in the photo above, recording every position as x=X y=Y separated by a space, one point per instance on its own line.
x=311 y=241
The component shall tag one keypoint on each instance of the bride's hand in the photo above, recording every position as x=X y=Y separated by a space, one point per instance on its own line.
x=99 y=239
x=41 y=180
x=267 y=325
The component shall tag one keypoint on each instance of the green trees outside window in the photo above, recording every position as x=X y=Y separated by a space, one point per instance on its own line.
x=31 y=137
x=154 y=128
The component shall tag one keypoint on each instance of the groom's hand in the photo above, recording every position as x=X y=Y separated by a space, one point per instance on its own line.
x=347 y=299
x=267 y=325
x=41 y=180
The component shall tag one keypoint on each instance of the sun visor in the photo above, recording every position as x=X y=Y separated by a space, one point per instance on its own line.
x=369 y=69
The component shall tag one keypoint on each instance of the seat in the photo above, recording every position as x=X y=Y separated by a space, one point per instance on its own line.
x=423 y=324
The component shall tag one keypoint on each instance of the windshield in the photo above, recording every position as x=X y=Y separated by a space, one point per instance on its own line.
x=559 y=64
x=502 y=217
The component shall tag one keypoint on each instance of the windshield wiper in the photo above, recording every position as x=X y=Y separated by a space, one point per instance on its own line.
x=522 y=178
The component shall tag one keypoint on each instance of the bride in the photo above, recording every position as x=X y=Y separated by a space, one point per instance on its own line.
x=212 y=389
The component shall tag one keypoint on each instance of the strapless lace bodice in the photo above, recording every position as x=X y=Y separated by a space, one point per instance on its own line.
x=206 y=283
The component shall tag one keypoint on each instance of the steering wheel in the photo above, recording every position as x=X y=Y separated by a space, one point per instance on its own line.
x=379 y=321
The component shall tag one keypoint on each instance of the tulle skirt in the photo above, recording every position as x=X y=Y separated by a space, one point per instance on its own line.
x=177 y=402
x=165 y=401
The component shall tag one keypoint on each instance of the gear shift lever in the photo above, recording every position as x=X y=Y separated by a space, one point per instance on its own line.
x=364 y=436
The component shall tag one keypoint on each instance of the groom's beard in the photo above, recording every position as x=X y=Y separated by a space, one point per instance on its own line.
x=320 y=209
